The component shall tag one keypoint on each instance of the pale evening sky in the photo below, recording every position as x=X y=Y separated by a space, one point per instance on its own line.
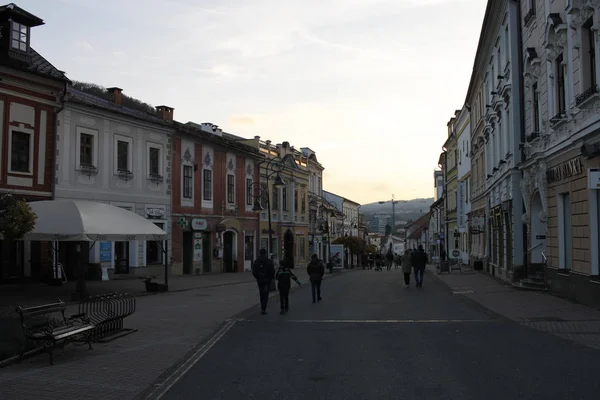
x=368 y=84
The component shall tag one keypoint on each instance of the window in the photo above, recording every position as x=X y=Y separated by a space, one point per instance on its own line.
x=301 y=250
x=207 y=184
x=560 y=85
x=535 y=107
x=284 y=199
x=467 y=190
x=154 y=250
x=564 y=231
x=588 y=55
x=303 y=209
x=248 y=191
x=154 y=161
x=295 y=200
x=86 y=149
x=20 y=152
x=187 y=181
x=123 y=155
x=275 y=198
x=19 y=36
x=230 y=188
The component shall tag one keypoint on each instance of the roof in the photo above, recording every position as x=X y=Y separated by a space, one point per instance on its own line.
x=79 y=97
x=11 y=10
x=36 y=64
x=419 y=226
x=437 y=203
x=224 y=140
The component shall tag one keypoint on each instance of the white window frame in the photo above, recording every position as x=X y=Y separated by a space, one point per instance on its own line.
x=86 y=131
x=12 y=37
x=159 y=147
x=183 y=197
x=250 y=204
x=121 y=138
x=31 y=133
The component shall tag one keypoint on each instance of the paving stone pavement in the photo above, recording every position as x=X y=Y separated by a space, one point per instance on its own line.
x=169 y=325
x=538 y=310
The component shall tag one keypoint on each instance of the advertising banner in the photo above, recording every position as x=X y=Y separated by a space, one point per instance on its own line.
x=337 y=254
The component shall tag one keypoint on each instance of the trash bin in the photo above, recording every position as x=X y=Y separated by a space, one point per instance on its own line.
x=478 y=265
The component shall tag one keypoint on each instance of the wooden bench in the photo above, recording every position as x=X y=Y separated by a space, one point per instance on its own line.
x=47 y=323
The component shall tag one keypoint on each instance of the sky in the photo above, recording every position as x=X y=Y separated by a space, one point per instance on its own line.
x=369 y=85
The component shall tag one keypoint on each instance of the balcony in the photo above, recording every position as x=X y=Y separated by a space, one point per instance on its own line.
x=586 y=95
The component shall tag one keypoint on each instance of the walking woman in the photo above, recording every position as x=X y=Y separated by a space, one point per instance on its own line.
x=406 y=267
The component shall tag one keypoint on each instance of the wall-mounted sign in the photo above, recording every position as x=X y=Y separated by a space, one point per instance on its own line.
x=155 y=212
x=594 y=178
x=199 y=224
x=455 y=253
x=565 y=170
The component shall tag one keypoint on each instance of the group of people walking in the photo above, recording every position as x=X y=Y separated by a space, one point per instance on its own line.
x=264 y=272
x=416 y=260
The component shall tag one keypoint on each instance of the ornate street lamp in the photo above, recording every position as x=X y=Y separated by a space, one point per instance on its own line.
x=259 y=190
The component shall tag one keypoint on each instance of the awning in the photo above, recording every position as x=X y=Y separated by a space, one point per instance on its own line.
x=80 y=220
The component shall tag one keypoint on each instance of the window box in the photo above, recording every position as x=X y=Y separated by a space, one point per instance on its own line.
x=125 y=174
x=156 y=178
x=88 y=169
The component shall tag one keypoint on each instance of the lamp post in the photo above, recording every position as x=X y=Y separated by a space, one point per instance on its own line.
x=259 y=190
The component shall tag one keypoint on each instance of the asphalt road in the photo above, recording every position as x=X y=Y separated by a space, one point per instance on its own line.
x=372 y=338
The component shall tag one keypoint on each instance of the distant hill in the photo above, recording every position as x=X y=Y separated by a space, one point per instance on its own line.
x=405 y=209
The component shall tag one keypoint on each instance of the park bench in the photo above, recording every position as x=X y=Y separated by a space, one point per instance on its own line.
x=47 y=323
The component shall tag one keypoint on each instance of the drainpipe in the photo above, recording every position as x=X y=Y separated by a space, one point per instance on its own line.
x=55 y=134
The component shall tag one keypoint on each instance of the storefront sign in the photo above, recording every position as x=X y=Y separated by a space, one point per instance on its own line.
x=197 y=250
x=199 y=224
x=460 y=206
x=155 y=212
x=564 y=170
x=594 y=178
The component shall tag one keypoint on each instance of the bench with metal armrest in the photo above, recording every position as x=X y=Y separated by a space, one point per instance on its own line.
x=48 y=323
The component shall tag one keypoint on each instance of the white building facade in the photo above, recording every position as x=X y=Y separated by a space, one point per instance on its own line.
x=463 y=205
x=109 y=153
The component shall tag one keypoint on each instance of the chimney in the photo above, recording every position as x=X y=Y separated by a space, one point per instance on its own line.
x=165 y=113
x=116 y=95
x=256 y=137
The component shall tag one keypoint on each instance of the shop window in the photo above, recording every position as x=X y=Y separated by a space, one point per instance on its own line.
x=154 y=249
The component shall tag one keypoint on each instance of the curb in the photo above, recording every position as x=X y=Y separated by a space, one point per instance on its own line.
x=150 y=390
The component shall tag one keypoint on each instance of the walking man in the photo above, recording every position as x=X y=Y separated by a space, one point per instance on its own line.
x=315 y=270
x=284 y=276
x=419 y=262
x=263 y=271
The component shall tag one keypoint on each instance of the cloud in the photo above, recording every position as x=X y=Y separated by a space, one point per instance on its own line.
x=241 y=120
x=83 y=45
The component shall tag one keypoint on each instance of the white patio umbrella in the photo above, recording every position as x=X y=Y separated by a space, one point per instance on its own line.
x=90 y=221
x=81 y=220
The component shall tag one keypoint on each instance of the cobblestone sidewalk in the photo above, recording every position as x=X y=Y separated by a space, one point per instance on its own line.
x=538 y=310
x=169 y=326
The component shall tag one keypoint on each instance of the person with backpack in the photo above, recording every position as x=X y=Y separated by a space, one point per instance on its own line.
x=315 y=270
x=284 y=278
x=263 y=271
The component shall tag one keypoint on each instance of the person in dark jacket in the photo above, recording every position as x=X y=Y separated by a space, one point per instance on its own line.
x=419 y=261
x=315 y=270
x=263 y=271
x=284 y=278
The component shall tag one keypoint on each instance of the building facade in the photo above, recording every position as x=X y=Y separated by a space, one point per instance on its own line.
x=111 y=153
x=31 y=91
x=463 y=205
x=561 y=147
x=317 y=223
x=451 y=233
x=214 y=226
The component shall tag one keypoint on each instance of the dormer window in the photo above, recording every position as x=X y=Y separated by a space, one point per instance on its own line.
x=20 y=36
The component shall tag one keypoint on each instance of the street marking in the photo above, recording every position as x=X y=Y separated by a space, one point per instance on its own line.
x=462 y=291
x=378 y=321
x=164 y=387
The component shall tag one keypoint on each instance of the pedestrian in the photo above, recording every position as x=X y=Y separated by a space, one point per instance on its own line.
x=406 y=267
x=284 y=278
x=419 y=261
x=263 y=271
x=315 y=270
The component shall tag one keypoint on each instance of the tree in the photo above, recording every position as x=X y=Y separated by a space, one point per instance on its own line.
x=16 y=217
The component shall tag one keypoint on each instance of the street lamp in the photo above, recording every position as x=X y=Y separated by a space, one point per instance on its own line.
x=259 y=190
